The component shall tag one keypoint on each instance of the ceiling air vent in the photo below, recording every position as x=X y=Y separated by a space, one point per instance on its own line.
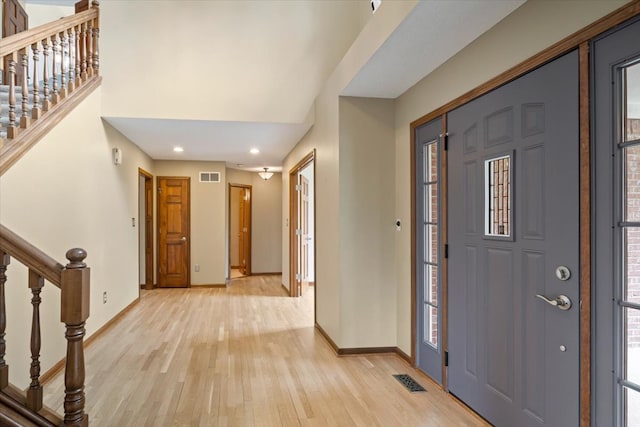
x=209 y=176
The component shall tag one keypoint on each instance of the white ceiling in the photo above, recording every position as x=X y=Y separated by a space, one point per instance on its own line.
x=213 y=140
x=305 y=40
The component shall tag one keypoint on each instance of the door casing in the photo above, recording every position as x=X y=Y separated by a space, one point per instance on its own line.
x=247 y=219
x=295 y=284
x=147 y=224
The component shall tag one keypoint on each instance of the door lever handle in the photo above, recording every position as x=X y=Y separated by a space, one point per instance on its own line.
x=183 y=238
x=562 y=301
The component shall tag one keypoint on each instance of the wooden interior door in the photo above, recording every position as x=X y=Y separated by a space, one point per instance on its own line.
x=245 y=231
x=304 y=227
x=82 y=6
x=15 y=20
x=173 y=232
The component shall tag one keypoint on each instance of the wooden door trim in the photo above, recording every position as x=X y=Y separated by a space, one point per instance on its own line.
x=563 y=46
x=148 y=188
x=188 y=249
x=585 y=234
x=248 y=261
x=579 y=40
x=293 y=222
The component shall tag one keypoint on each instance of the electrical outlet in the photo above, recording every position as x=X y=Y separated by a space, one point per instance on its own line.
x=104 y=297
x=196 y=267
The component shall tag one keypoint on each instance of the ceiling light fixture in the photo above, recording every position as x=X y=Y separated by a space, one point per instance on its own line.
x=265 y=175
x=254 y=151
x=178 y=149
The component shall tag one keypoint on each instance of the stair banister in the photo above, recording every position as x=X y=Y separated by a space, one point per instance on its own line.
x=73 y=281
x=68 y=52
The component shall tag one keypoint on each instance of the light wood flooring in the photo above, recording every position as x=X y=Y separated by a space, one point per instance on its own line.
x=236 y=273
x=247 y=355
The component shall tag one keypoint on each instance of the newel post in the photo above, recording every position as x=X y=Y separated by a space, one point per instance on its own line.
x=74 y=313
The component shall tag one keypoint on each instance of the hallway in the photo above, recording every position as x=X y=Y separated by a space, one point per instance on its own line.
x=247 y=355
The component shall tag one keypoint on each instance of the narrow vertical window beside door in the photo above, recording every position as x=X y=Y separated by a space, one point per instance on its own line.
x=629 y=238
x=430 y=229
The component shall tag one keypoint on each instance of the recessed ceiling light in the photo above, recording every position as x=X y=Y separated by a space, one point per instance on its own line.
x=178 y=149
x=254 y=151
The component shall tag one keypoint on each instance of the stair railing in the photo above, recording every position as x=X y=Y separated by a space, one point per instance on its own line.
x=73 y=281
x=42 y=67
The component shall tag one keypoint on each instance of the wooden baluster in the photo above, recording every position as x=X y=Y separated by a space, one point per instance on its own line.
x=55 y=96
x=64 y=45
x=24 y=61
x=75 y=312
x=4 y=369
x=90 y=48
x=34 y=393
x=78 y=57
x=72 y=46
x=12 y=130
x=35 y=112
x=96 y=36
x=46 y=102
x=83 y=52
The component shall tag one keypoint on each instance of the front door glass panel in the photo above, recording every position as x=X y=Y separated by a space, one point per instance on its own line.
x=628 y=236
x=497 y=178
x=430 y=229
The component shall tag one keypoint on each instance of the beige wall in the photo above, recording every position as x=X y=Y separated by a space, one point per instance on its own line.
x=66 y=192
x=40 y=14
x=324 y=138
x=211 y=91
x=368 y=294
x=266 y=214
x=530 y=29
x=208 y=219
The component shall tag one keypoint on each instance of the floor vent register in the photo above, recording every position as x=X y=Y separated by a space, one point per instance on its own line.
x=409 y=383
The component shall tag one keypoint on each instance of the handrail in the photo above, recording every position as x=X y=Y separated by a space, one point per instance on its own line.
x=25 y=39
x=45 y=72
x=31 y=256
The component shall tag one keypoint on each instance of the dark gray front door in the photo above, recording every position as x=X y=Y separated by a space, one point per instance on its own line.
x=513 y=178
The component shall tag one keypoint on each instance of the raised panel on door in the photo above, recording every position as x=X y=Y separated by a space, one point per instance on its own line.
x=513 y=218
x=173 y=232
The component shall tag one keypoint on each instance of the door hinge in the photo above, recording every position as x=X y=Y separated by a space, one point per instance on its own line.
x=298 y=277
x=298 y=187
x=446 y=251
x=446 y=358
x=159 y=189
x=444 y=138
x=298 y=232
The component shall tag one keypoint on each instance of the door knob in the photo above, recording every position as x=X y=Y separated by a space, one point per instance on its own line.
x=183 y=238
x=562 y=301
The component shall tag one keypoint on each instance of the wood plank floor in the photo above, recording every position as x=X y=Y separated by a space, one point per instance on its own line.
x=247 y=355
